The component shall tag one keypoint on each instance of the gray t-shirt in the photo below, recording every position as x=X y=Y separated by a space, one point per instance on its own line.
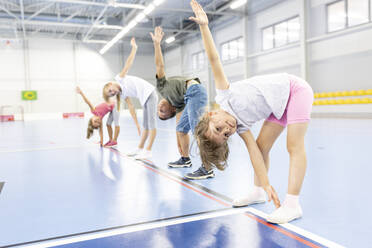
x=173 y=89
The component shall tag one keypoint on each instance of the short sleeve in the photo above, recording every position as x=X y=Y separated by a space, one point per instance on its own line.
x=222 y=95
x=161 y=82
x=119 y=79
x=180 y=109
x=243 y=129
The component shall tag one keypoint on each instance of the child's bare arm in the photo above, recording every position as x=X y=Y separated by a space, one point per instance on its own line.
x=79 y=91
x=132 y=112
x=130 y=59
x=210 y=48
x=159 y=61
x=259 y=166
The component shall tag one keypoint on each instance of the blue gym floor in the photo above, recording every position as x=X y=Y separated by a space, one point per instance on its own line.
x=57 y=188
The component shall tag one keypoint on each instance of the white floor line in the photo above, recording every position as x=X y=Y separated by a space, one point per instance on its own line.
x=299 y=230
x=287 y=226
x=140 y=227
x=41 y=149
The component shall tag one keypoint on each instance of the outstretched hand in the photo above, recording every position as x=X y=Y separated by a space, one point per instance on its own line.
x=78 y=90
x=201 y=17
x=133 y=43
x=158 y=36
x=272 y=195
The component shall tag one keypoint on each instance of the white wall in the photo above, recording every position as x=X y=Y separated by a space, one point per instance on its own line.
x=54 y=67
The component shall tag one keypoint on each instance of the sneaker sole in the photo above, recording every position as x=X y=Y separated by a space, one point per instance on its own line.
x=281 y=222
x=180 y=166
x=200 y=177
x=111 y=146
x=252 y=203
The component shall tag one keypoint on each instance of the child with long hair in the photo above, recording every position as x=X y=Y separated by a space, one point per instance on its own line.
x=280 y=100
x=99 y=111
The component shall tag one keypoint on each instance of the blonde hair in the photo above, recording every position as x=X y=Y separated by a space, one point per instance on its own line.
x=106 y=97
x=91 y=128
x=212 y=154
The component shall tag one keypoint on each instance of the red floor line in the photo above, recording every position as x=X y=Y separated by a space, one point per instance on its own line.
x=283 y=231
x=275 y=227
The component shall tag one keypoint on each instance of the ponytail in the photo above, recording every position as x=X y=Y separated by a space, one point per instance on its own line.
x=90 y=129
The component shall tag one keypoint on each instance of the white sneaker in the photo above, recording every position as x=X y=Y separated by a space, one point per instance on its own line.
x=257 y=195
x=285 y=214
x=135 y=152
x=145 y=154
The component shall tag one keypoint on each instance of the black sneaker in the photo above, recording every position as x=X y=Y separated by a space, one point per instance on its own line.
x=181 y=163
x=200 y=173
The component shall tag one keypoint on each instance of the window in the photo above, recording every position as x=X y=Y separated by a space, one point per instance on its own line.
x=280 y=31
x=336 y=16
x=198 y=60
x=281 y=34
x=348 y=13
x=294 y=30
x=233 y=49
x=268 y=38
x=357 y=12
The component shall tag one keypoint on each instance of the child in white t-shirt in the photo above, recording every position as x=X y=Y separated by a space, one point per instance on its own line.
x=132 y=86
x=280 y=100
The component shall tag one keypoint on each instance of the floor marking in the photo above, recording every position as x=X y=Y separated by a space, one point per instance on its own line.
x=288 y=226
x=107 y=232
x=41 y=149
x=299 y=230
x=1 y=186
x=179 y=219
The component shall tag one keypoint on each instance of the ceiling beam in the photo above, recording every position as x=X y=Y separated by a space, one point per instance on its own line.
x=114 y=5
x=95 y=23
x=229 y=13
x=40 y=10
x=22 y=18
x=88 y=26
x=8 y=12
x=72 y=15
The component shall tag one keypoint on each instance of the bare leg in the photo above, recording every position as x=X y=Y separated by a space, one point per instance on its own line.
x=151 y=139
x=184 y=142
x=297 y=155
x=117 y=131
x=291 y=208
x=109 y=130
x=269 y=133
x=145 y=133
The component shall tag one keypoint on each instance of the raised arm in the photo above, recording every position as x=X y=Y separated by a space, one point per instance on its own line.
x=210 y=48
x=130 y=59
x=132 y=112
x=79 y=91
x=159 y=61
x=259 y=166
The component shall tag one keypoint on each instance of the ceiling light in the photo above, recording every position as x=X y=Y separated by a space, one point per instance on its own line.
x=158 y=2
x=170 y=39
x=132 y=24
x=149 y=9
x=238 y=3
x=140 y=17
